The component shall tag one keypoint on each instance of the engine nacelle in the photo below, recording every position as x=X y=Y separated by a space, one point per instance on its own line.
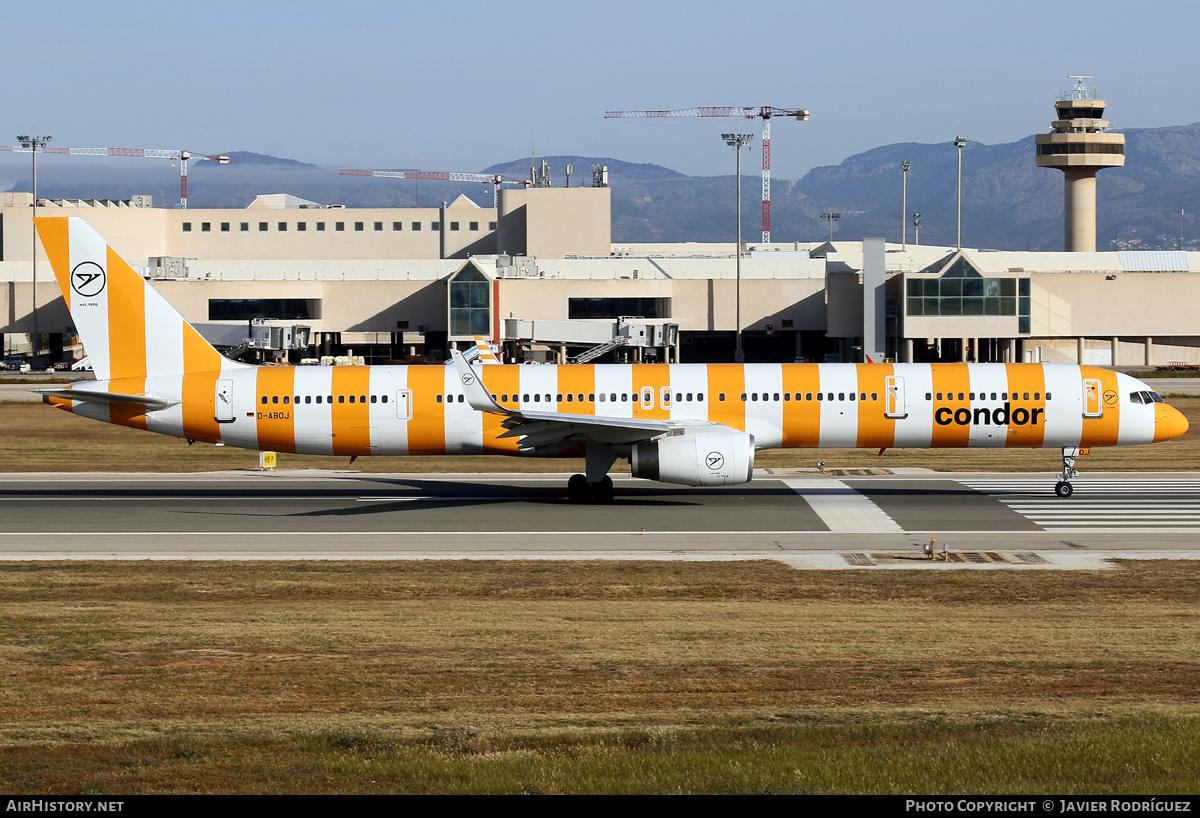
x=698 y=459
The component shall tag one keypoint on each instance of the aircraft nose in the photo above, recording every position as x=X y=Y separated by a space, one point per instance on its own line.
x=1169 y=422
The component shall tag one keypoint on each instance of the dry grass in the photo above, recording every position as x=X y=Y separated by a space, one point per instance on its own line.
x=40 y=438
x=423 y=676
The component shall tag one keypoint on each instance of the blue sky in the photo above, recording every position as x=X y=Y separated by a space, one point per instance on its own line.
x=451 y=85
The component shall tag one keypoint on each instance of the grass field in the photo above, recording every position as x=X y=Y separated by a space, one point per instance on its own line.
x=41 y=438
x=596 y=677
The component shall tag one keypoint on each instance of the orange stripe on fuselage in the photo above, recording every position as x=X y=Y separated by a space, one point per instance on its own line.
x=503 y=382
x=576 y=380
x=276 y=419
x=875 y=429
x=351 y=421
x=427 y=429
x=1026 y=379
x=202 y=368
x=655 y=376
x=950 y=381
x=801 y=418
x=1102 y=431
x=730 y=380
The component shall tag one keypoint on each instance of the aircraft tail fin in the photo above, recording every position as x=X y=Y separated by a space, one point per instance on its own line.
x=128 y=329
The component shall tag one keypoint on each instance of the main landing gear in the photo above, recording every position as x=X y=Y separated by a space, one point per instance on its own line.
x=596 y=486
x=1063 y=487
x=579 y=490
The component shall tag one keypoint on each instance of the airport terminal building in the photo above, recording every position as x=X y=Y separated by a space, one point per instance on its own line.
x=540 y=276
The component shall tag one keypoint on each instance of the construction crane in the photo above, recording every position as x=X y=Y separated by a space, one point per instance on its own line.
x=493 y=179
x=141 y=153
x=764 y=112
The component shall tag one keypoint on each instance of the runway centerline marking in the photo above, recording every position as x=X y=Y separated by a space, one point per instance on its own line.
x=841 y=507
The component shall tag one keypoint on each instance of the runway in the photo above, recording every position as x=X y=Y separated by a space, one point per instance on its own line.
x=804 y=518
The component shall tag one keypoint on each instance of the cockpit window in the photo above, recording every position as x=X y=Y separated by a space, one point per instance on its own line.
x=1144 y=397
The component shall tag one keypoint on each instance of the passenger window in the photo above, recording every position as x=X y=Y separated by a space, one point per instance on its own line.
x=308 y=398
x=928 y=396
x=699 y=396
x=287 y=399
x=570 y=398
x=689 y=396
x=547 y=399
x=612 y=396
x=537 y=398
x=352 y=399
x=874 y=396
x=821 y=396
x=1026 y=396
x=776 y=396
x=439 y=398
x=602 y=397
x=787 y=396
x=841 y=395
x=560 y=397
x=374 y=399
x=1037 y=395
x=754 y=396
x=318 y=398
x=851 y=396
x=743 y=397
x=274 y=399
x=807 y=396
x=461 y=398
x=721 y=397
x=1047 y=396
x=264 y=398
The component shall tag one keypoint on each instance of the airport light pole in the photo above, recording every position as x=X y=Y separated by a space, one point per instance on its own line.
x=904 y=166
x=831 y=218
x=917 y=227
x=960 y=142
x=34 y=143
x=737 y=141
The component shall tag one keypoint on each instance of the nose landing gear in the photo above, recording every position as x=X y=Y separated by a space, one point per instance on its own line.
x=1063 y=487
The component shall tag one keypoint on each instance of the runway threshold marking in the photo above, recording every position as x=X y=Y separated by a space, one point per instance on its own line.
x=841 y=507
x=1098 y=505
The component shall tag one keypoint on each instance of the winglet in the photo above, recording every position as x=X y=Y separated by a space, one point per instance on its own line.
x=484 y=350
x=477 y=394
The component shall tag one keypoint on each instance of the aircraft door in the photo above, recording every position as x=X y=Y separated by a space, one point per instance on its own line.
x=1093 y=405
x=893 y=398
x=647 y=397
x=404 y=404
x=223 y=403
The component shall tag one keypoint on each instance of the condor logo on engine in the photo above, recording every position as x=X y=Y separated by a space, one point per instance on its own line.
x=983 y=416
x=714 y=461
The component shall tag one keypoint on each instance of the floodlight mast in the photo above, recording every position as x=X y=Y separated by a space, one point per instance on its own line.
x=763 y=112
x=34 y=144
x=737 y=141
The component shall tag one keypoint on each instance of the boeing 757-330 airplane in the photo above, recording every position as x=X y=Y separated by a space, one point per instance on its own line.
x=691 y=424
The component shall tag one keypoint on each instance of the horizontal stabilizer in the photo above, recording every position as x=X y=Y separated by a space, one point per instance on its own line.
x=135 y=403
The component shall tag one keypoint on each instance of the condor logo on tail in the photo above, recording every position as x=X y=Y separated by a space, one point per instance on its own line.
x=88 y=279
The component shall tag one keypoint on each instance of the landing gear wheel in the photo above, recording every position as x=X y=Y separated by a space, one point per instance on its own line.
x=1063 y=489
x=577 y=489
x=603 y=491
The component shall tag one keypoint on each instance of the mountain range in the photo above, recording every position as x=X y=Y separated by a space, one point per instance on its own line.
x=1008 y=202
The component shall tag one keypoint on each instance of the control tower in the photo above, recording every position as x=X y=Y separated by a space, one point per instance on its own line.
x=1078 y=147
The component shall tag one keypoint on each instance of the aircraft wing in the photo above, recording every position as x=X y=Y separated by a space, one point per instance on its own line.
x=552 y=431
x=135 y=403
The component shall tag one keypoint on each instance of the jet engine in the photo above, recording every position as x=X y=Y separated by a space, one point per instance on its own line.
x=704 y=459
